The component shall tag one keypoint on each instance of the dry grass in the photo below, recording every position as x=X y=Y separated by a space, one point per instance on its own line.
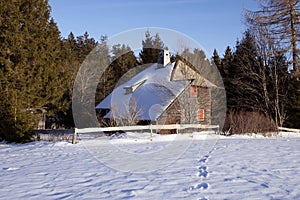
x=243 y=122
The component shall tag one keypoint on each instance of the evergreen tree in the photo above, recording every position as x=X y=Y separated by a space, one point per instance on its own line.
x=201 y=63
x=245 y=88
x=123 y=60
x=151 y=48
x=216 y=59
x=293 y=104
x=279 y=87
x=75 y=51
x=31 y=78
x=224 y=66
x=226 y=63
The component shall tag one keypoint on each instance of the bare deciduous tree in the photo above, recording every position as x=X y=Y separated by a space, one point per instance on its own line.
x=276 y=28
x=282 y=20
x=126 y=115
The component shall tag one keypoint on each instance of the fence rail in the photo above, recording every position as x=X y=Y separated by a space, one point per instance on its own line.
x=52 y=134
x=144 y=127
x=289 y=129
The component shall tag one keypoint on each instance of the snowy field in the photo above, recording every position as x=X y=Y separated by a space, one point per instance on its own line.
x=236 y=167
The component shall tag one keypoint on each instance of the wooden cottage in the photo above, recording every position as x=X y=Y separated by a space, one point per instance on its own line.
x=164 y=93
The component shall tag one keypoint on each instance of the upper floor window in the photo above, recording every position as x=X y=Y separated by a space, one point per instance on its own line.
x=193 y=91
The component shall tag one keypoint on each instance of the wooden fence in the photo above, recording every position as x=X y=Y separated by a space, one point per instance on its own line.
x=289 y=129
x=150 y=127
x=53 y=134
x=67 y=133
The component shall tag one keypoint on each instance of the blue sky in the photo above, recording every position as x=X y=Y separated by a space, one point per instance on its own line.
x=212 y=23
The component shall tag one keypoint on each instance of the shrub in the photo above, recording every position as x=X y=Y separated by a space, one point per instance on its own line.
x=241 y=122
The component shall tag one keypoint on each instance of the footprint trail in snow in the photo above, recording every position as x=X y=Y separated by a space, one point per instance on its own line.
x=202 y=174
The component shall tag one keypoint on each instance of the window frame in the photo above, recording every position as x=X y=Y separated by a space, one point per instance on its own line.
x=200 y=115
x=193 y=91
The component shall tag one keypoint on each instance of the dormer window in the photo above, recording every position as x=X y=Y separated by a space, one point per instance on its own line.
x=128 y=90
x=132 y=88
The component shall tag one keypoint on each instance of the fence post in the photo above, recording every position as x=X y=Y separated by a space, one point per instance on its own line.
x=74 y=136
x=151 y=131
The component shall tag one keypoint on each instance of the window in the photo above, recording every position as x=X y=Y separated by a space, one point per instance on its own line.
x=193 y=91
x=200 y=115
x=128 y=90
x=132 y=88
x=183 y=115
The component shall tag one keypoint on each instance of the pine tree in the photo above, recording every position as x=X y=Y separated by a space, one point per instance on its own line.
x=279 y=87
x=226 y=62
x=293 y=104
x=151 y=48
x=224 y=66
x=201 y=63
x=75 y=51
x=246 y=75
x=216 y=59
x=123 y=61
x=31 y=79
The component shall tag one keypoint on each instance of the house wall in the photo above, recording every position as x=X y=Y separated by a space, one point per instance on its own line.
x=190 y=106
x=182 y=71
x=170 y=116
x=204 y=102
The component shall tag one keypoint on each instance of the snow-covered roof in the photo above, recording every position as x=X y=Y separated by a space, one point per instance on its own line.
x=147 y=94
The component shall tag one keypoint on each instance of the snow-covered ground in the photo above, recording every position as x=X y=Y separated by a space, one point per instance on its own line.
x=237 y=167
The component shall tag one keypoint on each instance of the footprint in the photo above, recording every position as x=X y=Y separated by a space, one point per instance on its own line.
x=203 y=174
x=202 y=171
x=10 y=168
x=204 y=159
x=202 y=168
x=203 y=186
x=264 y=185
x=129 y=193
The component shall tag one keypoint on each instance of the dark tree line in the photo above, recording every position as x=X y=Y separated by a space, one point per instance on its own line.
x=38 y=67
x=256 y=86
x=262 y=74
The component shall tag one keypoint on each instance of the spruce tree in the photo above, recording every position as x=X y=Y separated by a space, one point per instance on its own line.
x=123 y=60
x=293 y=104
x=216 y=59
x=151 y=48
x=31 y=77
x=246 y=77
x=226 y=62
x=75 y=51
x=279 y=87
